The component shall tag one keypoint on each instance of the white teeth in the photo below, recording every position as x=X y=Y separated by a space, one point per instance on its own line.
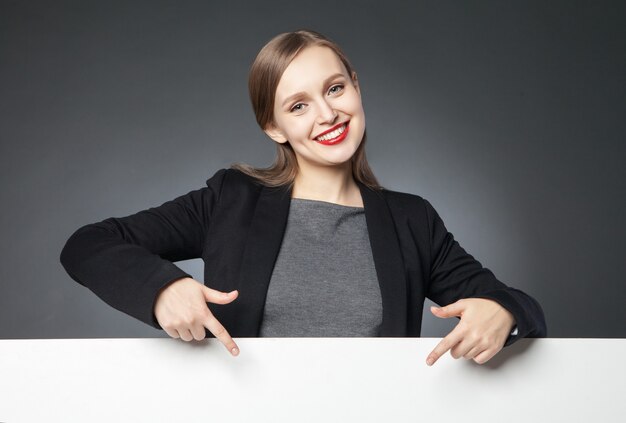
x=333 y=134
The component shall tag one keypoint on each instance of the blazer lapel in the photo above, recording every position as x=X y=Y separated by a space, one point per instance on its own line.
x=262 y=246
x=387 y=261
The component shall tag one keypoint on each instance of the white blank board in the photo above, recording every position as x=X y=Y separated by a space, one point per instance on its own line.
x=308 y=380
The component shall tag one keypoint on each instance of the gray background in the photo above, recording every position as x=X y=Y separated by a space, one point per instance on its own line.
x=507 y=116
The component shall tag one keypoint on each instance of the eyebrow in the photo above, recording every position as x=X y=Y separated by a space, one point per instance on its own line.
x=301 y=93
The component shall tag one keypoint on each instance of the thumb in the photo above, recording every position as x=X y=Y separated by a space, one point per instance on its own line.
x=218 y=297
x=451 y=310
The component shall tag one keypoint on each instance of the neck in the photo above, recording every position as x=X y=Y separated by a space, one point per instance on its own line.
x=333 y=184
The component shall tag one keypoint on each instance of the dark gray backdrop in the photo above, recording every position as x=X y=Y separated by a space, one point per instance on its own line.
x=507 y=116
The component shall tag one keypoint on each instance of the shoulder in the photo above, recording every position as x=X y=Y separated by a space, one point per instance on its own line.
x=398 y=200
x=233 y=177
x=409 y=206
x=228 y=180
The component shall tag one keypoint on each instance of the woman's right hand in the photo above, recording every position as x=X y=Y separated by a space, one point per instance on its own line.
x=181 y=310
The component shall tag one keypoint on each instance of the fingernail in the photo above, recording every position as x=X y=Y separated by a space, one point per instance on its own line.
x=430 y=361
x=235 y=351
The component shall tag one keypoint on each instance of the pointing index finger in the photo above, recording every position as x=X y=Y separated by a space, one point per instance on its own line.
x=220 y=332
x=443 y=346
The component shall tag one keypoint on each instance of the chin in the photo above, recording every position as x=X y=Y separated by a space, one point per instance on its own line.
x=342 y=157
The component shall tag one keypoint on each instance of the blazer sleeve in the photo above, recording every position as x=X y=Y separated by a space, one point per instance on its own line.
x=455 y=274
x=127 y=261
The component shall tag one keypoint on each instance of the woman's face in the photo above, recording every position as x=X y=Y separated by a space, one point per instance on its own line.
x=316 y=95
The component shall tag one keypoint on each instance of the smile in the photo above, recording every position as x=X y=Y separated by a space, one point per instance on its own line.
x=335 y=136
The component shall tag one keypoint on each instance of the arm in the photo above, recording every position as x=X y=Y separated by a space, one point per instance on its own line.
x=127 y=261
x=456 y=275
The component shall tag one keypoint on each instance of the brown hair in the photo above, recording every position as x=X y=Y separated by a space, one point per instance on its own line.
x=265 y=73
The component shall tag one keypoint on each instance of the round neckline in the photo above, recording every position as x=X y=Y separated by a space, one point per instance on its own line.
x=328 y=203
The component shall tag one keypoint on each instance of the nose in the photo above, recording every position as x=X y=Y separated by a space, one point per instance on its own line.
x=327 y=115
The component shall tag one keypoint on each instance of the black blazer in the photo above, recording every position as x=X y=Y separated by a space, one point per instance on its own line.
x=236 y=226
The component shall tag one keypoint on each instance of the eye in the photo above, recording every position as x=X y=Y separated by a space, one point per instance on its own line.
x=339 y=86
x=296 y=107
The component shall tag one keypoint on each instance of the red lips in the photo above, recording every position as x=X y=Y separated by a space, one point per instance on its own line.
x=339 y=138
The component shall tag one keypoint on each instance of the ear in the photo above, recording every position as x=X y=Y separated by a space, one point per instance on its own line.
x=276 y=134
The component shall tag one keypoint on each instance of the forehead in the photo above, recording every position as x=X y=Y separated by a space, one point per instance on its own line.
x=308 y=70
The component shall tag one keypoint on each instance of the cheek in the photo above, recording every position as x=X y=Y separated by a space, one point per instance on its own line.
x=352 y=103
x=301 y=127
x=357 y=101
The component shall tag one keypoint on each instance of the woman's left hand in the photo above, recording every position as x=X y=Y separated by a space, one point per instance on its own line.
x=484 y=327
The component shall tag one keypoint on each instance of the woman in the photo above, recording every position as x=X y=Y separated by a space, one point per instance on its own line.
x=311 y=246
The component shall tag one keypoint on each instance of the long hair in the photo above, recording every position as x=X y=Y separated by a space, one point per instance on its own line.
x=263 y=79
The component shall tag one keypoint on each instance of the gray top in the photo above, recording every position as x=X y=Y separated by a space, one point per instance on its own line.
x=324 y=281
